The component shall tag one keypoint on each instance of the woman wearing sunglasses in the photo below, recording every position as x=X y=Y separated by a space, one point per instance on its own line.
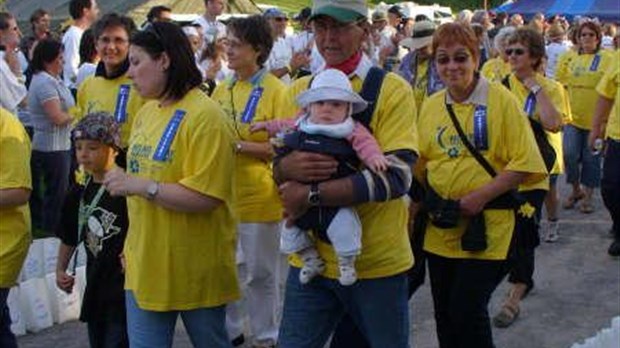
x=180 y=247
x=580 y=72
x=544 y=102
x=465 y=272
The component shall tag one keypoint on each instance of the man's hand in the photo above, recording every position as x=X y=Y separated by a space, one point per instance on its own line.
x=306 y=167
x=294 y=198
x=64 y=281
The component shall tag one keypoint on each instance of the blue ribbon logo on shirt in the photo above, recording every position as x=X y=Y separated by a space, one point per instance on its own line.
x=595 y=62
x=120 y=113
x=481 y=141
x=163 y=148
x=250 y=106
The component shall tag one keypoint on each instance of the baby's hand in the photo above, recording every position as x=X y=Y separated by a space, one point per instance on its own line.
x=378 y=163
x=258 y=126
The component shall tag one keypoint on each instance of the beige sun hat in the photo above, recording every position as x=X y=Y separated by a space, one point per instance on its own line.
x=332 y=84
x=422 y=35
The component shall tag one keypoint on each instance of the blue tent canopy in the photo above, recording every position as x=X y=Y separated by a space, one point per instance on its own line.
x=605 y=10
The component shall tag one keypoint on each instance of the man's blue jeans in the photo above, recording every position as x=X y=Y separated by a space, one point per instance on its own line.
x=311 y=312
x=150 y=329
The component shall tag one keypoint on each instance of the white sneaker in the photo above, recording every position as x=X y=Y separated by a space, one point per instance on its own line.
x=553 y=233
x=312 y=267
x=348 y=276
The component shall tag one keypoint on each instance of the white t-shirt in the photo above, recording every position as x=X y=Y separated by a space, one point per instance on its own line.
x=607 y=42
x=71 y=42
x=554 y=50
x=280 y=57
x=211 y=29
x=85 y=70
x=12 y=91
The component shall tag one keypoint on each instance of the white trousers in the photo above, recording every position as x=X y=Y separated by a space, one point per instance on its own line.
x=258 y=261
x=345 y=233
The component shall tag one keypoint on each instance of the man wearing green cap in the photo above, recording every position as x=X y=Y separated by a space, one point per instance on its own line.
x=377 y=303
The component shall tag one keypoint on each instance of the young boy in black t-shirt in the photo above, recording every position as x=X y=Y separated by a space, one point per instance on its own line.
x=92 y=216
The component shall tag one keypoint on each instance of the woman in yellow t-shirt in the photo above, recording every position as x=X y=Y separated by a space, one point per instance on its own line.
x=254 y=95
x=544 y=103
x=580 y=72
x=110 y=89
x=180 y=246
x=609 y=100
x=15 y=187
x=464 y=271
x=497 y=68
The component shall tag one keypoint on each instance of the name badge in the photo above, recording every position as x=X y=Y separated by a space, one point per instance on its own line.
x=530 y=105
x=163 y=148
x=120 y=113
x=250 y=106
x=595 y=63
x=481 y=141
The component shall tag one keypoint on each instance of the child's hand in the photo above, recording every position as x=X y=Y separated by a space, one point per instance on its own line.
x=378 y=163
x=64 y=281
x=121 y=258
x=258 y=126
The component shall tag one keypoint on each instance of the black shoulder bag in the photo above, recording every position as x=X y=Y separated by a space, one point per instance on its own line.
x=546 y=150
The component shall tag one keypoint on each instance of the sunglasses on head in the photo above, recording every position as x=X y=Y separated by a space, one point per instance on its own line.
x=516 y=51
x=460 y=59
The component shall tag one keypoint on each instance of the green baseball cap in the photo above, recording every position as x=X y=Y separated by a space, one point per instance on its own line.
x=344 y=11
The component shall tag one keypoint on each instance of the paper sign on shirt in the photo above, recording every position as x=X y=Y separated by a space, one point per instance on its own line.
x=481 y=141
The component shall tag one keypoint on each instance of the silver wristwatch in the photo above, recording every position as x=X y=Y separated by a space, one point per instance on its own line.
x=152 y=190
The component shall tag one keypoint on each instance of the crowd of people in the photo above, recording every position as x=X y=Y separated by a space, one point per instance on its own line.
x=188 y=159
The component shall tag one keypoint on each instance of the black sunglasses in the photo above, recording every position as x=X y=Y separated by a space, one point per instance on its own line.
x=516 y=51
x=460 y=59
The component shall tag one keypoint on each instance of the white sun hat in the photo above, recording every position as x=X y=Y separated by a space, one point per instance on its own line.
x=332 y=84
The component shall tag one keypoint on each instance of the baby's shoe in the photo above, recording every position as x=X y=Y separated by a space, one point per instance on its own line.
x=312 y=267
x=348 y=276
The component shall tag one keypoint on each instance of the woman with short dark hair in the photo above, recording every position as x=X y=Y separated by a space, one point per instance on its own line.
x=49 y=102
x=544 y=102
x=180 y=251
x=471 y=214
x=110 y=89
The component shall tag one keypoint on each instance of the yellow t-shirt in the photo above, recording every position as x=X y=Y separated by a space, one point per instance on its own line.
x=97 y=93
x=495 y=69
x=609 y=87
x=176 y=260
x=555 y=91
x=257 y=194
x=453 y=172
x=385 y=243
x=14 y=221
x=580 y=73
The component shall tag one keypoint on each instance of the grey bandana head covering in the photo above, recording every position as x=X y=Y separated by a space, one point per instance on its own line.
x=99 y=126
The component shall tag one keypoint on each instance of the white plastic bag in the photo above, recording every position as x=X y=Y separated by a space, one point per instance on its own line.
x=18 y=325
x=33 y=266
x=64 y=307
x=35 y=304
x=80 y=281
x=50 y=254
